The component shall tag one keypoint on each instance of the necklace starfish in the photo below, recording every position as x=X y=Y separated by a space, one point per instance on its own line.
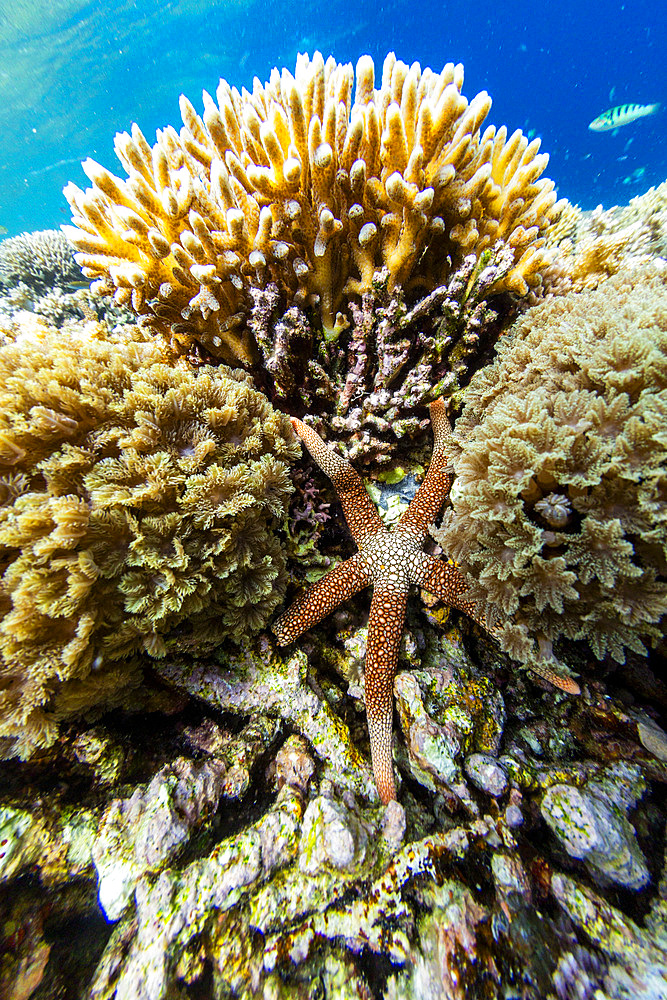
x=391 y=561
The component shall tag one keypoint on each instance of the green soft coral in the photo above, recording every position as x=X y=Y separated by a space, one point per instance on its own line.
x=138 y=511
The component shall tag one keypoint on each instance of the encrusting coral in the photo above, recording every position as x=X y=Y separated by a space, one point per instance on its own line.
x=559 y=512
x=255 y=233
x=137 y=509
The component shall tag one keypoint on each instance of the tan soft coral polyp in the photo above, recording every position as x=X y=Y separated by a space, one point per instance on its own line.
x=301 y=184
x=564 y=436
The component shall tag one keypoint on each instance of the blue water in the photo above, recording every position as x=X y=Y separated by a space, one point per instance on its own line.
x=72 y=73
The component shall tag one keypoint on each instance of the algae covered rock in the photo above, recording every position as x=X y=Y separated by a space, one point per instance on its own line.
x=635 y=957
x=448 y=711
x=138 y=508
x=591 y=824
x=487 y=774
x=331 y=837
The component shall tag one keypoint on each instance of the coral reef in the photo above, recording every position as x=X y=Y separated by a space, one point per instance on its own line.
x=308 y=517
x=306 y=879
x=60 y=308
x=180 y=799
x=450 y=716
x=42 y=260
x=360 y=257
x=58 y=847
x=38 y=274
x=558 y=510
x=138 y=508
x=636 y=956
x=594 y=245
x=297 y=183
x=263 y=232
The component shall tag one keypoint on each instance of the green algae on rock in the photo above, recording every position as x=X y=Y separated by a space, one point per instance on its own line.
x=257 y=680
x=447 y=710
x=591 y=823
x=56 y=843
x=315 y=880
x=635 y=957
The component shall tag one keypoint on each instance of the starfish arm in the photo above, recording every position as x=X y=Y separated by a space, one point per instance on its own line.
x=445 y=581
x=339 y=583
x=385 y=628
x=431 y=494
x=360 y=513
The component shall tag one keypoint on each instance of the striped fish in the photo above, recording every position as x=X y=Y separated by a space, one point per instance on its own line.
x=623 y=114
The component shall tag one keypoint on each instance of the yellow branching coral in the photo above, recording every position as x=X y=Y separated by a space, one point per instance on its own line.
x=559 y=511
x=137 y=510
x=313 y=182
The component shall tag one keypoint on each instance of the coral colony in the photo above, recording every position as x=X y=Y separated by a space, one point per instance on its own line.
x=298 y=230
x=362 y=252
x=303 y=185
x=356 y=247
x=558 y=517
x=138 y=499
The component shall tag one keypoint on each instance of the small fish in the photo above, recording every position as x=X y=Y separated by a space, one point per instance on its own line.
x=623 y=114
x=3 y=230
x=636 y=175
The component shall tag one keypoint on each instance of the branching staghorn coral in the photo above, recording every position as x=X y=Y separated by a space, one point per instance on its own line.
x=137 y=511
x=559 y=506
x=395 y=357
x=304 y=190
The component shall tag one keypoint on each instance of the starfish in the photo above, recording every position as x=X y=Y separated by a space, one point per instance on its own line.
x=390 y=560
